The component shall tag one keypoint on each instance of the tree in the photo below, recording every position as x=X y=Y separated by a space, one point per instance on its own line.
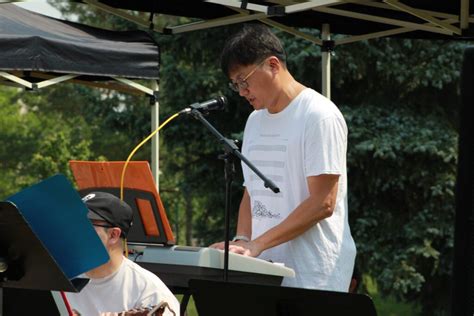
x=401 y=179
x=36 y=146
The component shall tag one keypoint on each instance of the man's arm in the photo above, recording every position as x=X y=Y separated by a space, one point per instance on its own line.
x=318 y=206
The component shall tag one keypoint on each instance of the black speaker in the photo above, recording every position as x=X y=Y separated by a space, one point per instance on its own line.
x=463 y=266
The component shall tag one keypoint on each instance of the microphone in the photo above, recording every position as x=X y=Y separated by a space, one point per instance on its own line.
x=217 y=103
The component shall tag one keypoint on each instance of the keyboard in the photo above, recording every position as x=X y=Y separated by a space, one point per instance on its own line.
x=176 y=265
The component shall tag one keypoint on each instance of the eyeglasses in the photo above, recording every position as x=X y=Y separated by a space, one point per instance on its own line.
x=242 y=84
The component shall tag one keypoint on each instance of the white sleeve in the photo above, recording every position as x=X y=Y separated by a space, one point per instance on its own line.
x=325 y=145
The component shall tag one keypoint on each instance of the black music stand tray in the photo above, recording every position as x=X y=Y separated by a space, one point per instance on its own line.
x=31 y=270
x=238 y=299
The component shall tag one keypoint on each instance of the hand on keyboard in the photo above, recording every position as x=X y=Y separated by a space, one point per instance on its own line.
x=241 y=247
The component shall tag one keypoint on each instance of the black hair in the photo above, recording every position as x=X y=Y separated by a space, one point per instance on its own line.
x=250 y=45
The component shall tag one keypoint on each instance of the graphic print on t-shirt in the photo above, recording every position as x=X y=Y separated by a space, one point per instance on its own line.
x=259 y=210
x=268 y=154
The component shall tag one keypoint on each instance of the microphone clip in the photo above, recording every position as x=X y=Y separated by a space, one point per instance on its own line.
x=203 y=108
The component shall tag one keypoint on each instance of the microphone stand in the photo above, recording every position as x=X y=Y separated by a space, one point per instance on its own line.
x=230 y=149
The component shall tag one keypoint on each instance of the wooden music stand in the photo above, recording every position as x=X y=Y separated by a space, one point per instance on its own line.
x=151 y=225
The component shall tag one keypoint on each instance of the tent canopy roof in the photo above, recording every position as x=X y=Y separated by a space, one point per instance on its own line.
x=410 y=19
x=36 y=43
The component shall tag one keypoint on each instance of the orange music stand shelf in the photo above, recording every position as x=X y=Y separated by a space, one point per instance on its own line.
x=151 y=225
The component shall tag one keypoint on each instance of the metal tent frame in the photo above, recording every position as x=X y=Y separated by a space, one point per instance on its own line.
x=38 y=71
x=356 y=19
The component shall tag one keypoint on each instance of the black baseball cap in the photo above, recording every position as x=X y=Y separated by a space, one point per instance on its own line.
x=107 y=207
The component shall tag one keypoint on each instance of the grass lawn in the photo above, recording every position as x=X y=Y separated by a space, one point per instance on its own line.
x=191 y=310
x=388 y=306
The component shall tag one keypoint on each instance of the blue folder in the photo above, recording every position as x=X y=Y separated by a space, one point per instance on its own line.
x=56 y=214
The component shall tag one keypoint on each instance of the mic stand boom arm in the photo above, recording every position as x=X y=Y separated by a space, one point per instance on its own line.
x=230 y=148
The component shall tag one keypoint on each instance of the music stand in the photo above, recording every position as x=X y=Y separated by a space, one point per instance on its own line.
x=39 y=246
x=32 y=272
x=31 y=266
x=252 y=300
x=150 y=223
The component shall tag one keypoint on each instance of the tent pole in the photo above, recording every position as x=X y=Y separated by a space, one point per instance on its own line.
x=155 y=122
x=326 y=62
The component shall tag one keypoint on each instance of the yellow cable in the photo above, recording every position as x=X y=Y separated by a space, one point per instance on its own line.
x=138 y=146
x=125 y=247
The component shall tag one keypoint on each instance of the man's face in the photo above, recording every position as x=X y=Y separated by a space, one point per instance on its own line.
x=250 y=82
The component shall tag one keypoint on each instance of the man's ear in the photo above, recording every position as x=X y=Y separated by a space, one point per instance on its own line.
x=275 y=64
x=114 y=235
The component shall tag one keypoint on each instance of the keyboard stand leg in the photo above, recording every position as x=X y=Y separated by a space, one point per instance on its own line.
x=184 y=303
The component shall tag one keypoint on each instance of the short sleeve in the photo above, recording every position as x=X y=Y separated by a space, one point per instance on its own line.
x=325 y=146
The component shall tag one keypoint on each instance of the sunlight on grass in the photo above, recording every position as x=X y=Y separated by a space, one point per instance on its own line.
x=388 y=306
x=191 y=309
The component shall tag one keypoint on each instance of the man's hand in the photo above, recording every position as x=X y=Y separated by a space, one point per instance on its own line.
x=250 y=248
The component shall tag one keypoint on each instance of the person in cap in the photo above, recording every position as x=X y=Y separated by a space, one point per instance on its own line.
x=119 y=285
x=298 y=139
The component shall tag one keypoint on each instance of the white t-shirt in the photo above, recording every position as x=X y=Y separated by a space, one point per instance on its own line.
x=307 y=138
x=130 y=287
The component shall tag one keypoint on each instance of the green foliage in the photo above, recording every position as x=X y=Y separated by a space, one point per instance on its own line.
x=56 y=149
x=401 y=179
x=18 y=130
x=421 y=73
x=36 y=146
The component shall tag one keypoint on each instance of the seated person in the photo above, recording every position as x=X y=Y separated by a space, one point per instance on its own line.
x=119 y=285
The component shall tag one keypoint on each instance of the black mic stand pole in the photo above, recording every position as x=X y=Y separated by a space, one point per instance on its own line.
x=230 y=148
x=229 y=172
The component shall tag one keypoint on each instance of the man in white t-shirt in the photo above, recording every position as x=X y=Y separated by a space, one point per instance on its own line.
x=119 y=285
x=298 y=139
